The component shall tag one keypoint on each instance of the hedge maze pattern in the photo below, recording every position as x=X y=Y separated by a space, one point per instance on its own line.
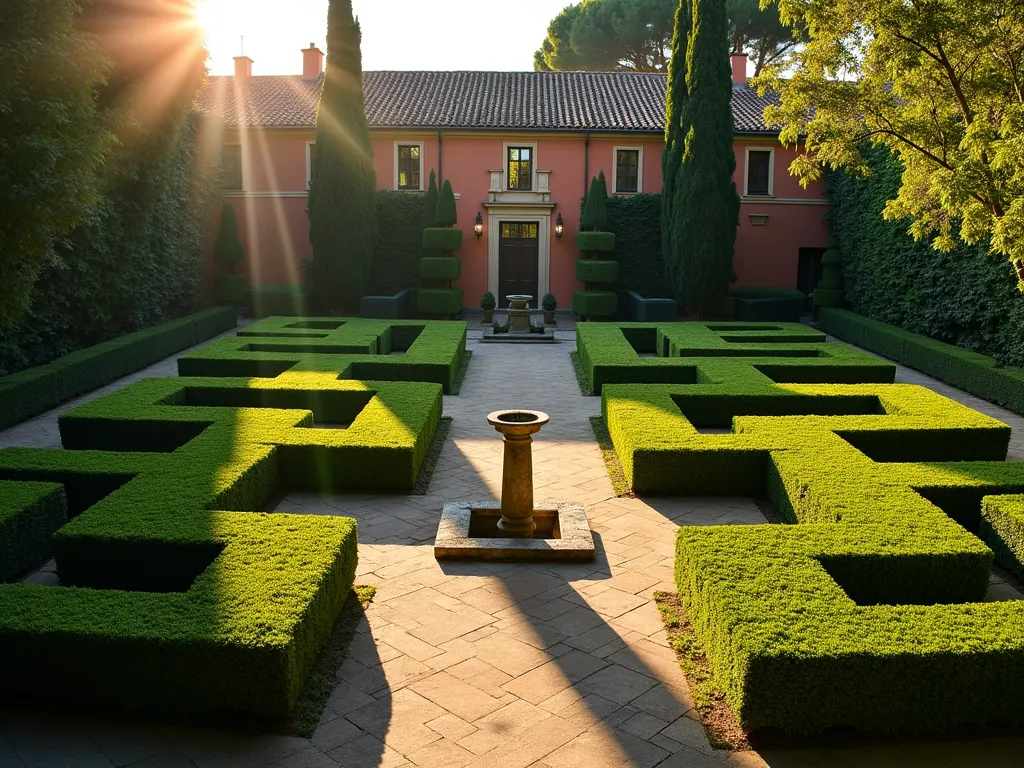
x=867 y=610
x=178 y=592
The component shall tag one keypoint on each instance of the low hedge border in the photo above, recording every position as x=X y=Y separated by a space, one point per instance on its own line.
x=30 y=392
x=352 y=348
x=963 y=369
x=30 y=513
x=719 y=352
x=1002 y=528
x=866 y=612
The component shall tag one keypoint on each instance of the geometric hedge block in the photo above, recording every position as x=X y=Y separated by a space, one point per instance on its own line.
x=866 y=611
x=597 y=271
x=348 y=348
x=594 y=303
x=442 y=238
x=439 y=301
x=434 y=268
x=692 y=352
x=29 y=515
x=588 y=242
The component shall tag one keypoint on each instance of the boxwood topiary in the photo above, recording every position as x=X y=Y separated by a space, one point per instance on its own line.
x=599 y=242
x=442 y=239
x=597 y=271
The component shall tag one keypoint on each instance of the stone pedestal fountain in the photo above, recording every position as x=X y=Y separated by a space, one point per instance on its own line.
x=517 y=327
x=519 y=313
x=514 y=528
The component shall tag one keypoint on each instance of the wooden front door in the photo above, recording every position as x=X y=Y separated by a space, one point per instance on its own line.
x=518 y=257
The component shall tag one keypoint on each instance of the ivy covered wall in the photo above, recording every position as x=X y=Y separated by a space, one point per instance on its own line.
x=965 y=297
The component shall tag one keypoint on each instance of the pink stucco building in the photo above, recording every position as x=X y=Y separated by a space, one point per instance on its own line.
x=519 y=149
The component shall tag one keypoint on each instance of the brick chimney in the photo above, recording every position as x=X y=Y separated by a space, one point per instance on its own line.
x=739 y=67
x=243 y=67
x=312 y=62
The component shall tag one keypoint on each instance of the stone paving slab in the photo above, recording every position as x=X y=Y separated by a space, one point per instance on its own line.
x=492 y=664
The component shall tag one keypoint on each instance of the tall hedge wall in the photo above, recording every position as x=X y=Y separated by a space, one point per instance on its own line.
x=965 y=297
x=636 y=222
x=396 y=260
x=136 y=262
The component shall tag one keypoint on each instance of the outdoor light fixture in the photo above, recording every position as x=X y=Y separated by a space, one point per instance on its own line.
x=758 y=219
x=559 y=227
x=478 y=228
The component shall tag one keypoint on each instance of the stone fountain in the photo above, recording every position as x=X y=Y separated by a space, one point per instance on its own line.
x=517 y=327
x=514 y=528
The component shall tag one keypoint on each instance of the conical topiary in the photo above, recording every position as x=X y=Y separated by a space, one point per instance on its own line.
x=446 y=214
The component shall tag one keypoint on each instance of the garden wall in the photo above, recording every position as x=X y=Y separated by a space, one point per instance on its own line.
x=966 y=297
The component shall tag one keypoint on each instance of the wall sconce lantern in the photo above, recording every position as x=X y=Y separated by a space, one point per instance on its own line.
x=758 y=219
x=478 y=227
x=559 y=227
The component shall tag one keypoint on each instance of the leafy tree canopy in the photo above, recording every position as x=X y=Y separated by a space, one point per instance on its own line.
x=636 y=35
x=941 y=83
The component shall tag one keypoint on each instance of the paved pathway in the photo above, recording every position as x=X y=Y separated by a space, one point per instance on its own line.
x=498 y=665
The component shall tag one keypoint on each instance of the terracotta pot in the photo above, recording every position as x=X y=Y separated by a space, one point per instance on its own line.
x=549 y=317
x=488 y=315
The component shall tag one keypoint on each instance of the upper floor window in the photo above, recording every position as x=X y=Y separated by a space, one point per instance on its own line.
x=759 y=172
x=409 y=164
x=520 y=168
x=628 y=170
x=231 y=168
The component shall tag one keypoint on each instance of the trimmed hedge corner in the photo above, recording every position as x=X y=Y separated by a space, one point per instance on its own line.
x=966 y=370
x=29 y=392
x=30 y=513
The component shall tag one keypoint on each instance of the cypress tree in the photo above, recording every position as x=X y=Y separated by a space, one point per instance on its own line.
x=446 y=215
x=705 y=206
x=672 y=155
x=342 y=212
x=229 y=249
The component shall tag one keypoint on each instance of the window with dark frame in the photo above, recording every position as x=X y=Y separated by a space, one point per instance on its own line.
x=520 y=168
x=409 y=166
x=231 y=168
x=759 y=164
x=627 y=171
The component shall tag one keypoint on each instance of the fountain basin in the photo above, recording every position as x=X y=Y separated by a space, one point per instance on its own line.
x=469 y=531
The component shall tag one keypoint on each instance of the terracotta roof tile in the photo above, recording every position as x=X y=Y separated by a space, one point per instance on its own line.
x=591 y=101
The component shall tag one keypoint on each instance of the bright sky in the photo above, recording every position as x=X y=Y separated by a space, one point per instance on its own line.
x=397 y=34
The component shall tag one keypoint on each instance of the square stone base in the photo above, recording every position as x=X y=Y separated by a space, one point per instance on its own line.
x=548 y=337
x=567 y=525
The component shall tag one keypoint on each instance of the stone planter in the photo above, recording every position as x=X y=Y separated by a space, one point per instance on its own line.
x=488 y=316
x=549 y=317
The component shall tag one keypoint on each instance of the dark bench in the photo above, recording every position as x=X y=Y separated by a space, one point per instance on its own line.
x=636 y=308
x=397 y=307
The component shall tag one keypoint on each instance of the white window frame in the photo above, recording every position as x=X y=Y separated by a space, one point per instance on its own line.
x=532 y=146
x=309 y=163
x=639 y=170
x=771 y=171
x=241 y=166
x=409 y=144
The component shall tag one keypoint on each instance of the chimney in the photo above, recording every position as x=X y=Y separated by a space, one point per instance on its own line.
x=243 y=67
x=312 y=62
x=739 y=67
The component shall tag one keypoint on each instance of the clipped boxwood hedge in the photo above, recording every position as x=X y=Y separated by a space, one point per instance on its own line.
x=1002 y=528
x=439 y=301
x=866 y=612
x=690 y=352
x=595 y=303
x=442 y=238
x=284 y=299
x=595 y=241
x=35 y=390
x=597 y=271
x=440 y=268
x=354 y=348
x=970 y=371
x=29 y=515
x=768 y=293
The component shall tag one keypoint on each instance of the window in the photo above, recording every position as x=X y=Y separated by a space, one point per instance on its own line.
x=409 y=159
x=231 y=168
x=310 y=159
x=512 y=230
x=627 y=170
x=759 y=171
x=520 y=168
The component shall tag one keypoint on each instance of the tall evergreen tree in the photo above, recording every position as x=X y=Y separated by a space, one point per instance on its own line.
x=705 y=208
x=672 y=155
x=342 y=218
x=430 y=211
